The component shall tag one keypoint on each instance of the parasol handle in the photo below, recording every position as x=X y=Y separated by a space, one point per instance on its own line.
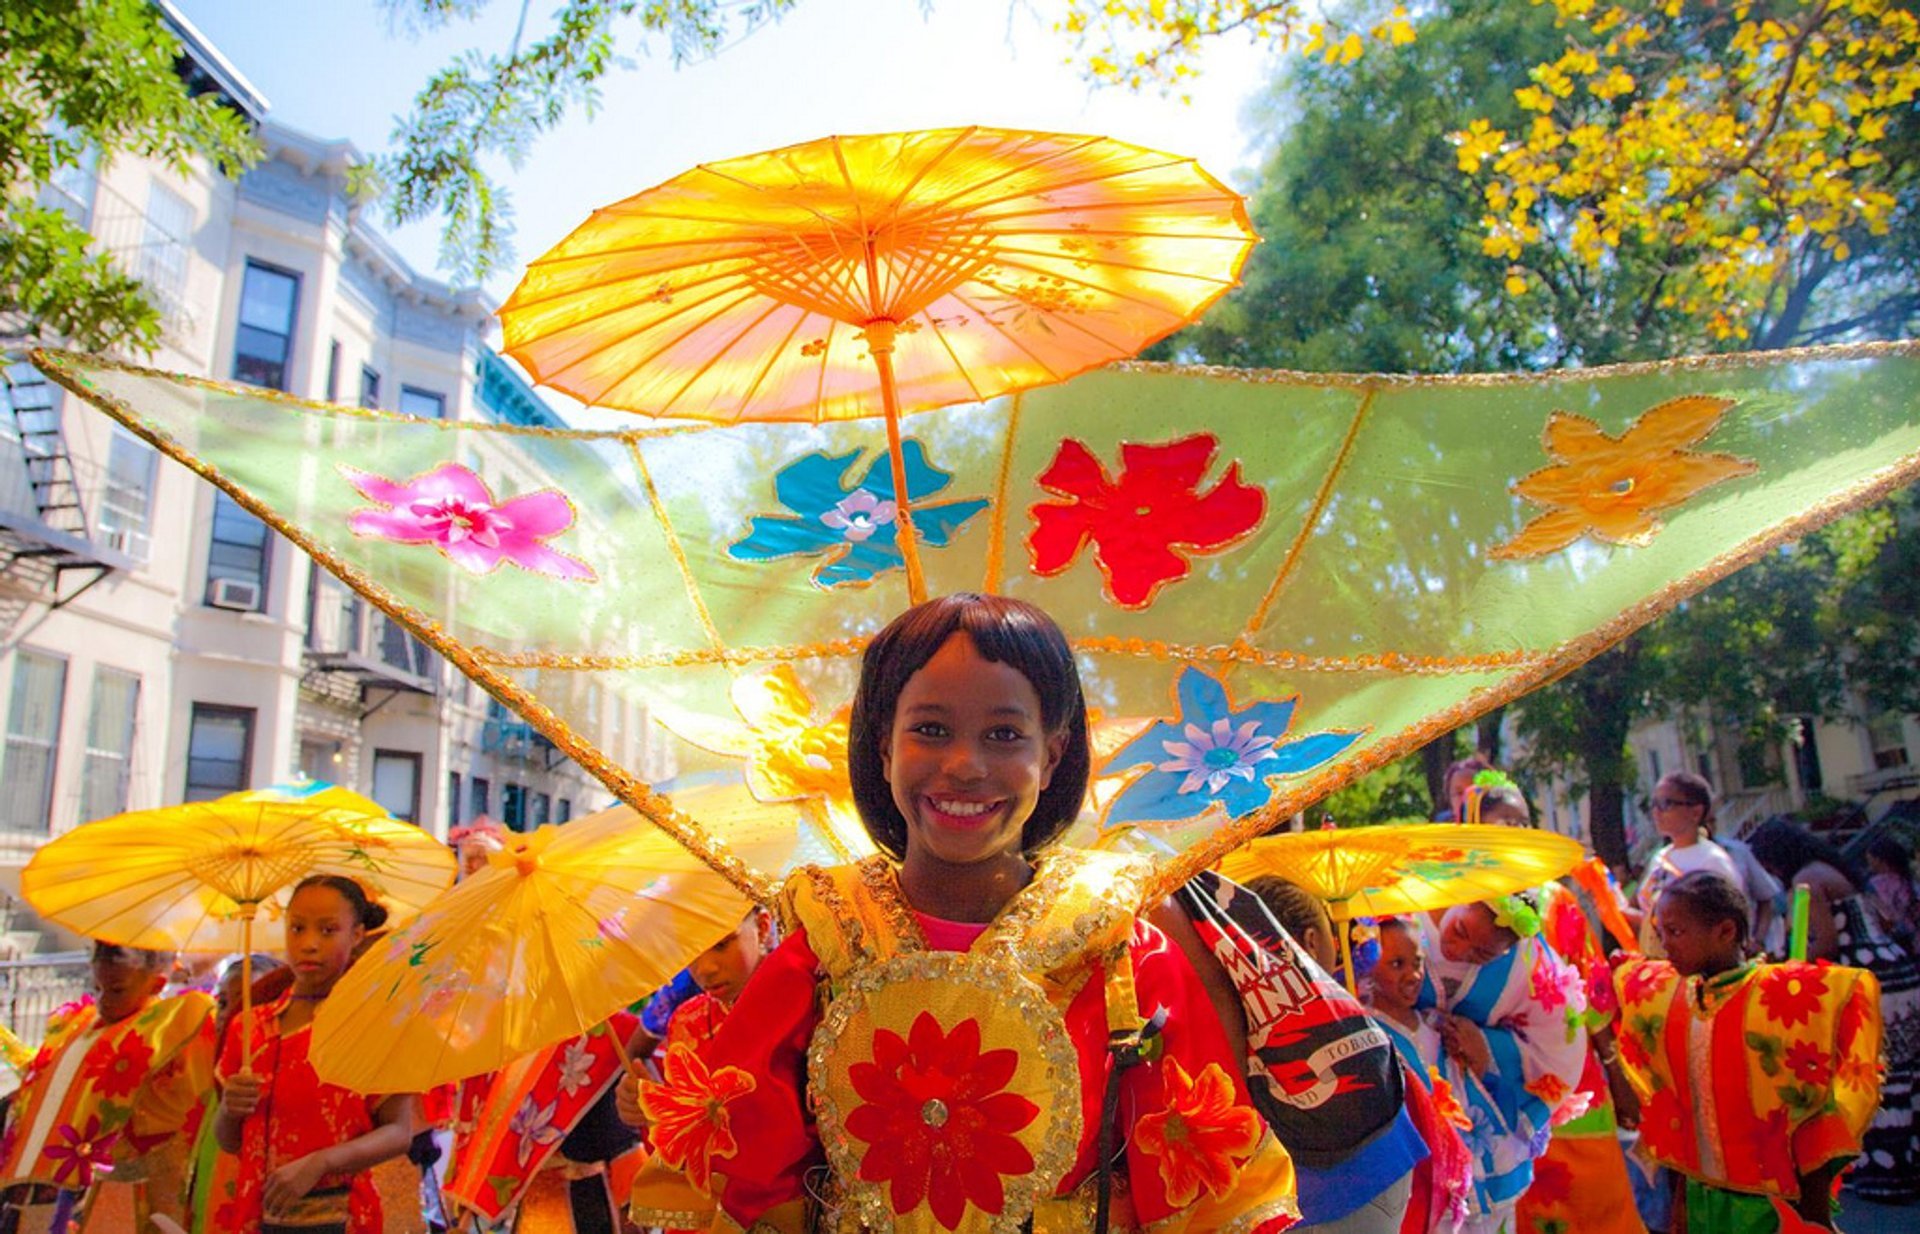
x=246 y=995
x=879 y=336
x=1337 y=911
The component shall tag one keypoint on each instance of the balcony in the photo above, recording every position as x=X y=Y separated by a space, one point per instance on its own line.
x=511 y=739
x=47 y=544
x=349 y=638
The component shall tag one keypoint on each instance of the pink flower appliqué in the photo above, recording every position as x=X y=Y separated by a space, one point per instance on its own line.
x=453 y=510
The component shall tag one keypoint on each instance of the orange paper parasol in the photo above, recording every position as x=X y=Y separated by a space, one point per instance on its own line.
x=933 y=268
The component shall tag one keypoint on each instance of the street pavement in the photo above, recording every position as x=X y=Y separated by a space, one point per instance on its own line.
x=1858 y=1216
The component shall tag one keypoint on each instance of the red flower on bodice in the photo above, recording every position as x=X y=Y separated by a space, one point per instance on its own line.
x=1200 y=1135
x=938 y=1126
x=690 y=1126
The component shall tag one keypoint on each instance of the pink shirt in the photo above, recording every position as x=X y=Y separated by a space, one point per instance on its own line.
x=950 y=935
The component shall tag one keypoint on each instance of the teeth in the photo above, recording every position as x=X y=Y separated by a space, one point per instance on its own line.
x=963 y=809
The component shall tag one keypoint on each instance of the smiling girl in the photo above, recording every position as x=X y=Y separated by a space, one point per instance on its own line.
x=945 y=1010
x=305 y=1146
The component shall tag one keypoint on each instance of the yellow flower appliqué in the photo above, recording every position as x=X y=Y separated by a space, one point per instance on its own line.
x=791 y=753
x=1611 y=488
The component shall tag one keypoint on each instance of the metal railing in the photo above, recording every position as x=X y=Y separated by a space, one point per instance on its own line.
x=33 y=987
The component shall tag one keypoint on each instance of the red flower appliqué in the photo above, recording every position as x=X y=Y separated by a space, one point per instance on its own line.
x=1139 y=522
x=688 y=1112
x=1791 y=992
x=1644 y=979
x=938 y=1127
x=1200 y=1136
x=1809 y=1063
x=117 y=1072
x=79 y=1152
x=1552 y=1183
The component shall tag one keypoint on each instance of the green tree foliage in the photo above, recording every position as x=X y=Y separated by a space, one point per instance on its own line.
x=484 y=108
x=86 y=75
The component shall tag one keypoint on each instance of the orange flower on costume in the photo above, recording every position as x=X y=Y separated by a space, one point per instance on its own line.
x=1446 y=1104
x=688 y=1112
x=1611 y=487
x=1549 y=1088
x=1791 y=992
x=938 y=1127
x=1199 y=1135
x=118 y=1072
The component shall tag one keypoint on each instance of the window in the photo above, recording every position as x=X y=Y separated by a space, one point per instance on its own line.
x=564 y=811
x=219 y=751
x=71 y=187
x=423 y=403
x=369 y=387
x=111 y=720
x=453 y=800
x=33 y=741
x=320 y=758
x=164 y=247
x=396 y=783
x=1886 y=734
x=263 y=345
x=238 y=553
x=542 y=808
x=480 y=796
x=513 y=806
x=333 y=371
x=126 y=507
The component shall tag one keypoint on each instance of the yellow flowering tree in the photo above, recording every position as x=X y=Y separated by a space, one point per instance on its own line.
x=1137 y=43
x=1756 y=151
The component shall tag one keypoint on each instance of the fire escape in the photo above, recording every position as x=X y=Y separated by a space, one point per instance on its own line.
x=47 y=548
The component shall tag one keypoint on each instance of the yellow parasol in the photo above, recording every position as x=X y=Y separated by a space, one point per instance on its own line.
x=943 y=267
x=194 y=877
x=562 y=929
x=1378 y=871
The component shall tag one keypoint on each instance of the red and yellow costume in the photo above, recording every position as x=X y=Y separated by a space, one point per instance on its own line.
x=961 y=1088
x=1755 y=1076
x=298 y=1114
x=509 y=1164
x=102 y=1112
x=1581 y=1182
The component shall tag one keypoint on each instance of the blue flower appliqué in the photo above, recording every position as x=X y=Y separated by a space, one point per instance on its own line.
x=1213 y=753
x=856 y=529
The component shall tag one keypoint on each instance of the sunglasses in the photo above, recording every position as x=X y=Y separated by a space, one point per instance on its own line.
x=1673 y=803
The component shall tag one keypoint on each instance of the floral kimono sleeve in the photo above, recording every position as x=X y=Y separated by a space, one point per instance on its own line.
x=731 y=1117
x=1841 y=1120
x=1199 y=1158
x=1534 y=1031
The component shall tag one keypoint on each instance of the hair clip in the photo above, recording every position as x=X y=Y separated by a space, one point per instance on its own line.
x=1512 y=912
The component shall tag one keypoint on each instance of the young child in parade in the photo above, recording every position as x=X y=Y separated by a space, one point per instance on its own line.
x=1443 y=1185
x=1758 y=1081
x=209 y=1169
x=305 y=1147
x=949 y=1013
x=96 y=1135
x=1509 y=1028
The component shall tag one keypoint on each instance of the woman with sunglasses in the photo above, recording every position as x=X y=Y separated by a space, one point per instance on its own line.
x=1683 y=813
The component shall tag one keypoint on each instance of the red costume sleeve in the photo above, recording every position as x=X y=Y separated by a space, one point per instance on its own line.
x=758 y=1153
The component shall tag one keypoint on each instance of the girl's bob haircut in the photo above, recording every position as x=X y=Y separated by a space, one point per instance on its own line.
x=1006 y=631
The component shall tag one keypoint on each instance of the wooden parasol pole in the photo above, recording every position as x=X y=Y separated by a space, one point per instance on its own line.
x=879 y=335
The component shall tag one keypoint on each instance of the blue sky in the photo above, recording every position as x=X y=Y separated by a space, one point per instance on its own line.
x=339 y=69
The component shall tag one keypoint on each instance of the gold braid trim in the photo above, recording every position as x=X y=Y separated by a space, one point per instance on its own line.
x=1175 y=871
x=1136 y=648
x=635 y=792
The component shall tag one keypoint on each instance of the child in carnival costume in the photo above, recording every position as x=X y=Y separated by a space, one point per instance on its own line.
x=941 y=1042
x=97 y=1136
x=1510 y=1024
x=1581 y=1182
x=1758 y=1081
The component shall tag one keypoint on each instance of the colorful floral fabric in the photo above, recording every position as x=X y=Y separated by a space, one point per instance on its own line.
x=1538 y=1053
x=298 y=1114
x=130 y=1098
x=932 y=1109
x=529 y=1108
x=1710 y=1058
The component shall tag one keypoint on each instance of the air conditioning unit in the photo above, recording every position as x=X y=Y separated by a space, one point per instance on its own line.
x=234 y=593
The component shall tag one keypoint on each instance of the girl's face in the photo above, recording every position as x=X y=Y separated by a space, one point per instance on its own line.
x=1505 y=814
x=1470 y=935
x=1694 y=946
x=125 y=984
x=1396 y=978
x=722 y=969
x=1675 y=813
x=968 y=756
x=321 y=934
